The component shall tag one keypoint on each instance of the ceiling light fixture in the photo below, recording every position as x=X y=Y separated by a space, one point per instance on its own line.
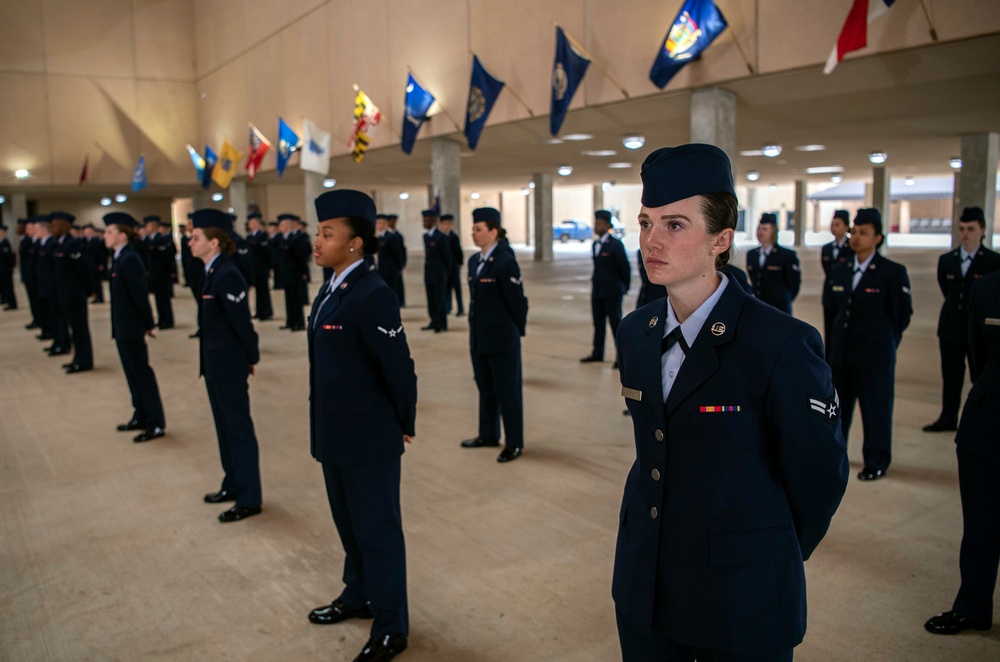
x=634 y=142
x=771 y=150
x=565 y=170
x=753 y=175
x=878 y=157
x=955 y=163
x=836 y=179
x=752 y=152
x=121 y=197
x=105 y=202
x=824 y=170
x=620 y=164
x=531 y=184
x=598 y=152
x=2 y=199
x=329 y=183
x=810 y=148
x=474 y=195
x=554 y=141
x=909 y=181
x=772 y=186
x=404 y=196
x=21 y=173
x=526 y=191
x=577 y=136
x=216 y=197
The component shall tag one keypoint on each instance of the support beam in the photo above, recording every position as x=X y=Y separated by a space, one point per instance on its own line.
x=543 y=216
x=978 y=177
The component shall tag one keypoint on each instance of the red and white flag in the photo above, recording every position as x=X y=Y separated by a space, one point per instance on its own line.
x=854 y=35
x=258 y=148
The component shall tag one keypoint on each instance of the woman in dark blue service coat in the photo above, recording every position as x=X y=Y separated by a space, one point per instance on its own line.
x=229 y=352
x=774 y=270
x=363 y=401
x=498 y=313
x=740 y=463
x=131 y=321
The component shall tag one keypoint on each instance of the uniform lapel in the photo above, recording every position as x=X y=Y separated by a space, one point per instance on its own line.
x=331 y=304
x=871 y=272
x=650 y=365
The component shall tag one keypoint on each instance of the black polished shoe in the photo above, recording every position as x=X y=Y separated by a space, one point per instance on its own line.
x=164 y=327
x=337 y=611
x=590 y=359
x=236 y=513
x=196 y=334
x=429 y=327
x=149 y=435
x=57 y=351
x=67 y=365
x=266 y=318
x=951 y=622
x=460 y=313
x=440 y=330
x=283 y=327
x=940 y=426
x=868 y=473
x=298 y=328
x=381 y=649
x=614 y=366
x=127 y=427
x=219 y=497
x=44 y=336
x=73 y=369
x=479 y=442
x=32 y=325
x=509 y=455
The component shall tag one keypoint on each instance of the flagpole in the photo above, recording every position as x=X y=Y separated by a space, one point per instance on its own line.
x=578 y=46
x=746 y=60
x=930 y=24
x=438 y=102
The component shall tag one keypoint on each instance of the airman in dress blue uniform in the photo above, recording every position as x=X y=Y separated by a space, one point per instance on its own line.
x=74 y=284
x=161 y=267
x=957 y=271
x=609 y=283
x=363 y=397
x=396 y=238
x=98 y=252
x=260 y=249
x=45 y=279
x=437 y=266
x=774 y=270
x=872 y=295
x=8 y=260
x=498 y=315
x=740 y=463
x=457 y=260
x=131 y=321
x=294 y=271
x=831 y=254
x=978 y=449
x=228 y=352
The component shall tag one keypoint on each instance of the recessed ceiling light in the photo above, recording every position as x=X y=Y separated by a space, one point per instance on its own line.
x=810 y=148
x=216 y=197
x=772 y=186
x=329 y=183
x=771 y=150
x=606 y=186
x=531 y=184
x=909 y=181
x=878 y=157
x=554 y=141
x=824 y=170
x=753 y=175
x=121 y=197
x=577 y=136
x=474 y=195
x=526 y=191
x=752 y=152
x=105 y=202
x=598 y=152
x=836 y=179
x=634 y=142
x=620 y=164
x=955 y=163
x=404 y=196
x=21 y=173
x=565 y=170
x=2 y=199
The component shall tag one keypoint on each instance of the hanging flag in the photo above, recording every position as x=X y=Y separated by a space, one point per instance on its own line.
x=418 y=102
x=139 y=176
x=225 y=167
x=83 y=173
x=258 y=148
x=210 y=161
x=697 y=24
x=366 y=118
x=854 y=35
x=483 y=92
x=568 y=70
x=315 y=149
x=197 y=161
x=288 y=142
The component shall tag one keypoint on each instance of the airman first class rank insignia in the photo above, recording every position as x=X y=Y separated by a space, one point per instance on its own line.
x=238 y=298
x=828 y=409
x=392 y=333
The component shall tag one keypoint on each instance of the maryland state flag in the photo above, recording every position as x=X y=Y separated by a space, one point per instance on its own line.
x=418 y=102
x=258 y=148
x=568 y=71
x=366 y=118
x=483 y=92
x=696 y=26
x=225 y=168
x=288 y=142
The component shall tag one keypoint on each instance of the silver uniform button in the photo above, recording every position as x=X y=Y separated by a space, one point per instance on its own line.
x=659 y=435
x=655 y=473
x=653 y=512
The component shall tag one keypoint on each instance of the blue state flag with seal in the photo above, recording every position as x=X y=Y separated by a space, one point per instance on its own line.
x=210 y=160
x=483 y=92
x=418 y=102
x=139 y=175
x=288 y=142
x=697 y=24
x=568 y=70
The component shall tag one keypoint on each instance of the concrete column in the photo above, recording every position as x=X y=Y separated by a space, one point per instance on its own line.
x=16 y=207
x=978 y=177
x=751 y=213
x=713 y=118
x=313 y=188
x=956 y=212
x=446 y=178
x=801 y=207
x=904 y=217
x=238 y=201
x=529 y=229
x=881 y=200
x=543 y=216
x=598 y=196
x=815 y=225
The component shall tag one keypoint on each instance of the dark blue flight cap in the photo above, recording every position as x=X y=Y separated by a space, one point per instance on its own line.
x=393 y=217
x=39 y=218
x=485 y=215
x=676 y=173
x=382 y=216
x=345 y=202
x=22 y=221
x=428 y=212
x=972 y=214
x=254 y=214
x=152 y=218
x=448 y=217
x=3 y=227
x=844 y=215
x=274 y=223
x=165 y=224
x=62 y=216
x=120 y=218
x=602 y=215
x=768 y=218
x=287 y=217
x=212 y=218
x=869 y=216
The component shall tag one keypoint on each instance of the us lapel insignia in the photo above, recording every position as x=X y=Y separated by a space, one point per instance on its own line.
x=343 y=286
x=653 y=322
x=718 y=329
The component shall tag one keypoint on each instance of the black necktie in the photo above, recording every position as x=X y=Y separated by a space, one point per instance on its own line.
x=671 y=339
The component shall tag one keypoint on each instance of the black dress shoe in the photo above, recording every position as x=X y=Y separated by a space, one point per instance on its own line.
x=509 y=455
x=283 y=327
x=381 y=649
x=440 y=330
x=10 y=307
x=164 y=327
x=590 y=359
x=951 y=622
x=149 y=435
x=196 y=334
x=460 y=313
x=67 y=365
x=73 y=369
x=337 y=611
x=58 y=351
x=267 y=318
x=131 y=425
x=219 y=497
x=44 y=336
x=478 y=442
x=429 y=327
x=614 y=366
x=298 y=328
x=940 y=426
x=236 y=513
x=32 y=325
x=869 y=473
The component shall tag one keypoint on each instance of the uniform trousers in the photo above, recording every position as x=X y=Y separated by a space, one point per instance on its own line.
x=455 y=285
x=640 y=645
x=77 y=315
x=498 y=376
x=230 y=400
x=294 y=315
x=148 y=408
x=873 y=387
x=7 y=294
x=263 y=293
x=953 y=358
x=364 y=501
x=60 y=325
x=605 y=311
x=829 y=314
x=34 y=303
x=437 y=295
x=164 y=309
x=979 y=486
x=400 y=289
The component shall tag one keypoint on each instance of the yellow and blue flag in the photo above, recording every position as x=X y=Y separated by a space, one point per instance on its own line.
x=139 y=175
x=696 y=26
x=288 y=142
x=225 y=167
x=483 y=92
x=418 y=102
x=567 y=72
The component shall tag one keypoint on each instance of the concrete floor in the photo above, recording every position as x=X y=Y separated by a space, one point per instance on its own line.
x=107 y=551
